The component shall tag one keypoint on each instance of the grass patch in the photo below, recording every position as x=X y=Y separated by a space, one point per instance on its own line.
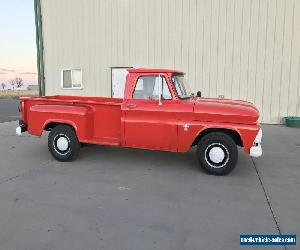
x=14 y=94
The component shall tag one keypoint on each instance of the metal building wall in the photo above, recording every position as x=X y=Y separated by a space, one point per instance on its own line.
x=242 y=49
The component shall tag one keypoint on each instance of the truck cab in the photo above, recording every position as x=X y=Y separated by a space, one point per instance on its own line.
x=158 y=112
x=152 y=108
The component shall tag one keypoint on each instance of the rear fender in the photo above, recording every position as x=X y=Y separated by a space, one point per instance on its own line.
x=79 y=117
x=58 y=122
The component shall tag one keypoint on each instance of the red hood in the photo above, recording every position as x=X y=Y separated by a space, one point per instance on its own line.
x=225 y=110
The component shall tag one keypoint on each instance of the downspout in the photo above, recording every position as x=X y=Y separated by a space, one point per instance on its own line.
x=39 y=47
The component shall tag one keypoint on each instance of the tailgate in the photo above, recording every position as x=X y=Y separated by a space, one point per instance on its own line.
x=25 y=104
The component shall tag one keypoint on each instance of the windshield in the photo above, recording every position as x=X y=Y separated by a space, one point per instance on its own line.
x=182 y=88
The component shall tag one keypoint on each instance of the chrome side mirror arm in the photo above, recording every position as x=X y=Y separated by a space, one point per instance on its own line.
x=159 y=89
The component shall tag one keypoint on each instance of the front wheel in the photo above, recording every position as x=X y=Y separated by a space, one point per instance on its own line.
x=63 y=143
x=217 y=153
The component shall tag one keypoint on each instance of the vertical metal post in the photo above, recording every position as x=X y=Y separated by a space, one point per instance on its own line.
x=39 y=47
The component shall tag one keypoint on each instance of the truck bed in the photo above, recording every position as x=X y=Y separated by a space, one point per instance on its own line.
x=96 y=120
x=76 y=99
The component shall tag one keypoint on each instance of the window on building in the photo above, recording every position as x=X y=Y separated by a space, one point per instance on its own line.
x=71 y=79
x=148 y=87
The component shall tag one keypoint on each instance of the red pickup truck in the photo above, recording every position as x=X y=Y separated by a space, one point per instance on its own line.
x=158 y=112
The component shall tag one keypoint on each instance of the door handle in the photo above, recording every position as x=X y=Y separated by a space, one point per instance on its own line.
x=131 y=106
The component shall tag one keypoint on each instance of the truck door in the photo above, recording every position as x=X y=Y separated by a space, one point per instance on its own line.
x=150 y=121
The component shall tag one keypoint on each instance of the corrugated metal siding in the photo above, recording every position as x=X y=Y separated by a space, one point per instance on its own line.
x=242 y=49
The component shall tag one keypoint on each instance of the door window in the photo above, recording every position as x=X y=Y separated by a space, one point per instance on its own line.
x=149 y=87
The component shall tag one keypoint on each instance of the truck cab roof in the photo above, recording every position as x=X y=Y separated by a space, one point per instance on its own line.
x=144 y=70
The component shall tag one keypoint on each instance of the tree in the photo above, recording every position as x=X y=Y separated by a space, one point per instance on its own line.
x=3 y=85
x=18 y=81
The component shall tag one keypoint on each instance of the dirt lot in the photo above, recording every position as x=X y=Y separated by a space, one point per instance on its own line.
x=7 y=94
x=115 y=198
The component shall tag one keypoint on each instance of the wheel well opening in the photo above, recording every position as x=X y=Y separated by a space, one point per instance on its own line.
x=232 y=133
x=52 y=125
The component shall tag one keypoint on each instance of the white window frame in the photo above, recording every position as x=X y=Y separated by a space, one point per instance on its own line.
x=62 y=79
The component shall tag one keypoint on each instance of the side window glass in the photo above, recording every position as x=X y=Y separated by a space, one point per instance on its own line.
x=149 y=87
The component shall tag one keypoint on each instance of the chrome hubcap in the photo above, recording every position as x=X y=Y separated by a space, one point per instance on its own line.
x=216 y=154
x=62 y=144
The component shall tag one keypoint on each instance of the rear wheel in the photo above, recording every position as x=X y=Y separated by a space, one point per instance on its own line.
x=217 y=153
x=63 y=143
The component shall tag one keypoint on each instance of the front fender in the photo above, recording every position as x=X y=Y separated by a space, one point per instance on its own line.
x=187 y=137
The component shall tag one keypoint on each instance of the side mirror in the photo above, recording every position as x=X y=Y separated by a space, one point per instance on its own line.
x=199 y=94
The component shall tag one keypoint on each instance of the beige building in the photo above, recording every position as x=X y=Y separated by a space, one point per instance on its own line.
x=241 y=49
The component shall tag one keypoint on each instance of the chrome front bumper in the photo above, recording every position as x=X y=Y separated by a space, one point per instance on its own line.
x=256 y=150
